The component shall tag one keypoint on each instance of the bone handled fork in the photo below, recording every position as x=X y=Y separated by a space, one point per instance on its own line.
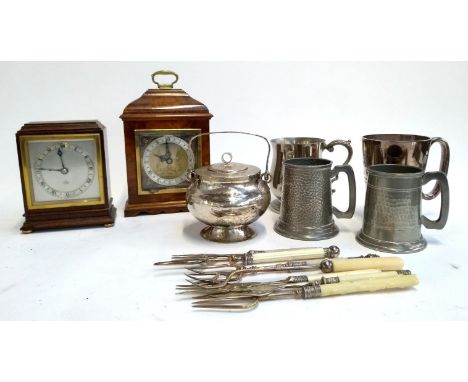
x=252 y=257
x=309 y=291
x=253 y=289
x=221 y=279
x=303 y=278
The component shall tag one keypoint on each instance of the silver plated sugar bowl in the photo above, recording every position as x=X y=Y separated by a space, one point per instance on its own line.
x=228 y=196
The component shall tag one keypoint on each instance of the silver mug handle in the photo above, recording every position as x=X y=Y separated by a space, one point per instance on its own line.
x=265 y=176
x=443 y=166
x=339 y=142
x=348 y=214
x=441 y=179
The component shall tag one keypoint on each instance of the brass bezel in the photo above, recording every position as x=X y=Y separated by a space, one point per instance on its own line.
x=24 y=139
x=198 y=159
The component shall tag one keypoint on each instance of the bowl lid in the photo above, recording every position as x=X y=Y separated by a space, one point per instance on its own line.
x=227 y=170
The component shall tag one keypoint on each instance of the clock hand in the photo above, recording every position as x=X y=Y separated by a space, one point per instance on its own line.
x=60 y=153
x=168 y=154
x=162 y=158
x=63 y=170
x=50 y=169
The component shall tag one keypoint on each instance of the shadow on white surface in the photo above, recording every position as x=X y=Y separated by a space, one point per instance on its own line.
x=432 y=240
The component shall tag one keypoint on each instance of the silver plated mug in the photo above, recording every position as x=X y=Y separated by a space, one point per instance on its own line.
x=306 y=211
x=404 y=149
x=392 y=211
x=298 y=147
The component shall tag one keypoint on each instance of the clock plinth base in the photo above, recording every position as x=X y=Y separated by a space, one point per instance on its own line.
x=70 y=219
x=135 y=209
x=221 y=234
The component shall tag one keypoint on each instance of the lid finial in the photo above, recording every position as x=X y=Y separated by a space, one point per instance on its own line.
x=226 y=158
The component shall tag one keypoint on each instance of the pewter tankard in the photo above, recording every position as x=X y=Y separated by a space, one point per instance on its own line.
x=306 y=211
x=298 y=147
x=404 y=149
x=392 y=212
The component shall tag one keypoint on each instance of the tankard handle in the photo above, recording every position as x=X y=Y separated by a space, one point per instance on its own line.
x=441 y=179
x=265 y=176
x=348 y=214
x=339 y=142
x=443 y=166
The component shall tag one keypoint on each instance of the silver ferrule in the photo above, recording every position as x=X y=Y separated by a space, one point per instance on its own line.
x=330 y=280
x=311 y=291
x=404 y=272
x=248 y=259
x=296 y=263
x=368 y=256
x=298 y=279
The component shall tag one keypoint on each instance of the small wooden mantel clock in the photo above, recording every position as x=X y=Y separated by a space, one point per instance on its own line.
x=158 y=127
x=64 y=175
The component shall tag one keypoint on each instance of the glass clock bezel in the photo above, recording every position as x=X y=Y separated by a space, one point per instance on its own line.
x=27 y=170
x=158 y=133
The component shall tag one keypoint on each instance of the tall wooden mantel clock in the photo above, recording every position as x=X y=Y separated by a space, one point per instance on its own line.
x=158 y=127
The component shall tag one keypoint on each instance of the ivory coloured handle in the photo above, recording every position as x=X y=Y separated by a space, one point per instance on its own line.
x=293 y=254
x=382 y=263
x=317 y=275
x=375 y=275
x=371 y=285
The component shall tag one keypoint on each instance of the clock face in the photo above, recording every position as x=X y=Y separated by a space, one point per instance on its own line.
x=63 y=170
x=164 y=159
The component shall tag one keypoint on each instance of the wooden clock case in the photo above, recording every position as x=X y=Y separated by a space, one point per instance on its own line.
x=169 y=110
x=72 y=216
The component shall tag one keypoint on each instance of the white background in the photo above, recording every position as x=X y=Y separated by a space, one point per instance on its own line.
x=107 y=274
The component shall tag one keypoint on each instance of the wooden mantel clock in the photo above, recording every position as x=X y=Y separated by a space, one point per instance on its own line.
x=64 y=175
x=158 y=127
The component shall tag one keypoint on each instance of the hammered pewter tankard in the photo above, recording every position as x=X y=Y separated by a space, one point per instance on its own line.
x=228 y=196
x=298 y=147
x=404 y=149
x=392 y=211
x=306 y=211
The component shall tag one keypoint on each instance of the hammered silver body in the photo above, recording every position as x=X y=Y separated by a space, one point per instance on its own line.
x=228 y=208
x=228 y=196
x=306 y=211
x=392 y=211
x=297 y=147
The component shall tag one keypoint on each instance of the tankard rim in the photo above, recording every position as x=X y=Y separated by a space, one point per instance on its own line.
x=395 y=137
x=308 y=162
x=296 y=140
x=393 y=170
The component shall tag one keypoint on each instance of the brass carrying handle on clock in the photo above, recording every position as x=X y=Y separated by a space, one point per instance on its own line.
x=266 y=176
x=164 y=73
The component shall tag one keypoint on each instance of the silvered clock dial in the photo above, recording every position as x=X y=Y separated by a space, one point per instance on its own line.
x=64 y=170
x=166 y=160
